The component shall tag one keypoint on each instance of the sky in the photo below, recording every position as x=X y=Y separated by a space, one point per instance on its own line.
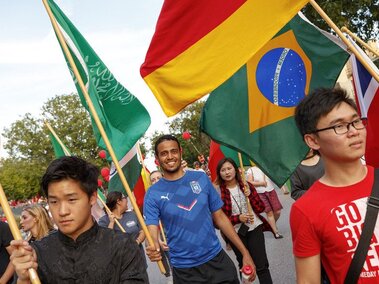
x=32 y=66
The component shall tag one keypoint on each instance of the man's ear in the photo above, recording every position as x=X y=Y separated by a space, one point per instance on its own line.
x=156 y=161
x=312 y=141
x=93 y=198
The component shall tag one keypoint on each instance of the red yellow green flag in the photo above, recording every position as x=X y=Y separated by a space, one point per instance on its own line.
x=198 y=44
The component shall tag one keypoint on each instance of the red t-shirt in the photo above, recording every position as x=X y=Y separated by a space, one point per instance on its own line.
x=328 y=220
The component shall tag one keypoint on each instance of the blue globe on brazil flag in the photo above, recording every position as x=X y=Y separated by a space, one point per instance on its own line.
x=281 y=77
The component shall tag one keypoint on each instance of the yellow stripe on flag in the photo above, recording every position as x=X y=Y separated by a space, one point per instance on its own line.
x=217 y=56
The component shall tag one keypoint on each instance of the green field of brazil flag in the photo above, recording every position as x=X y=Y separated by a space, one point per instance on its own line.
x=252 y=112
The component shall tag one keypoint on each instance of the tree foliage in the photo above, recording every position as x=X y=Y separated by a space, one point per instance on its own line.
x=29 y=148
x=188 y=120
x=359 y=16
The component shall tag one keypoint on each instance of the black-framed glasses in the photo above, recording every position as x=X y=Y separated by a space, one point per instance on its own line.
x=343 y=127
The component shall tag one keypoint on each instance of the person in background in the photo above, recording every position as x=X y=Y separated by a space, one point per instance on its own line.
x=249 y=227
x=36 y=221
x=268 y=195
x=307 y=172
x=118 y=205
x=196 y=166
x=155 y=176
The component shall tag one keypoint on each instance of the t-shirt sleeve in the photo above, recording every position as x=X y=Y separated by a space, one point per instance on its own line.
x=150 y=209
x=304 y=238
x=214 y=199
x=103 y=221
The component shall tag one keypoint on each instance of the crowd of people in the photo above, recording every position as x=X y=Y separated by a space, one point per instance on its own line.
x=183 y=209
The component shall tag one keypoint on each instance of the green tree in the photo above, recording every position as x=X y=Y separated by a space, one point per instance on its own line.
x=29 y=148
x=20 y=178
x=188 y=120
x=359 y=16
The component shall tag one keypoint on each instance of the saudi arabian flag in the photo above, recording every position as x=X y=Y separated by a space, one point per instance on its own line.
x=123 y=117
x=60 y=149
x=253 y=111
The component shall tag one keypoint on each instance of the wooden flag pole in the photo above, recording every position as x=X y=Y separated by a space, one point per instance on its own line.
x=354 y=36
x=250 y=210
x=67 y=153
x=149 y=182
x=344 y=39
x=15 y=231
x=101 y=129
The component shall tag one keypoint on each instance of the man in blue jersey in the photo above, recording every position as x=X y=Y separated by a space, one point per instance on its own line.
x=188 y=205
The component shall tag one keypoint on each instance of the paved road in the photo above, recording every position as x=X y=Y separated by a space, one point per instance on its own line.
x=279 y=252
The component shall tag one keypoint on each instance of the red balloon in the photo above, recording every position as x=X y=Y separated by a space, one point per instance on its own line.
x=99 y=183
x=102 y=154
x=186 y=135
x=106 y=178
x=105 y=172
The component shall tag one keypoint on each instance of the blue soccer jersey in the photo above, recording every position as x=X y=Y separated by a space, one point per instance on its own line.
x=185 y=207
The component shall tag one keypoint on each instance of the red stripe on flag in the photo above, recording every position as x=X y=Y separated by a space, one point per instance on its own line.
x=215 y=155
x=139 y=192
x=192 y=20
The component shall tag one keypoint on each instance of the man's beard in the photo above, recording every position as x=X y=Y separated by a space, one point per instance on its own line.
x=172 y=171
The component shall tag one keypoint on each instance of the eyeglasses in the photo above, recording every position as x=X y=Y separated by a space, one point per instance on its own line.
x=343 y=127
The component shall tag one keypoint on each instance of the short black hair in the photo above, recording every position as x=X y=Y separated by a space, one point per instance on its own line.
x=166 y=137
x=318 y=104
x=71 y=167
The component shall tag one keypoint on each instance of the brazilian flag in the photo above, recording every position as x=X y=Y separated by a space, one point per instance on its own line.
x=253 y=111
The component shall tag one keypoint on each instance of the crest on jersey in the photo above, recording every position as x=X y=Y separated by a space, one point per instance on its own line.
x=195 y=186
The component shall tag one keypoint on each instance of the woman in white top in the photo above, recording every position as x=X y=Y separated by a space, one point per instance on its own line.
x=267 y=193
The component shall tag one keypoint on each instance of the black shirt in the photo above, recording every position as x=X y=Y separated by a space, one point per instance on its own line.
x=304 y=177
x=99 y=255
x=5 y=239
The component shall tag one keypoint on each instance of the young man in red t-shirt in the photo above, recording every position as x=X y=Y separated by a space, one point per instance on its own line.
x=326 y=222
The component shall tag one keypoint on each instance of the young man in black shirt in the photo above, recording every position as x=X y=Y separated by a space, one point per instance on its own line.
x=80 y=251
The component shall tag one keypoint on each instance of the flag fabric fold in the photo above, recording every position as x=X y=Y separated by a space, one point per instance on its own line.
x=123 y=117
x=132 y=170
x=263 y=95
x=198 y=44
x=60 y=150
x=367 y=98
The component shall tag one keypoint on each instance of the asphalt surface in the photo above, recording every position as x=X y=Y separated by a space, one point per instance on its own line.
x=279 y=251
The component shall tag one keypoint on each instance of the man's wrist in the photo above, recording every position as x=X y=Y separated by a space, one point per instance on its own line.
x=245 y=252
